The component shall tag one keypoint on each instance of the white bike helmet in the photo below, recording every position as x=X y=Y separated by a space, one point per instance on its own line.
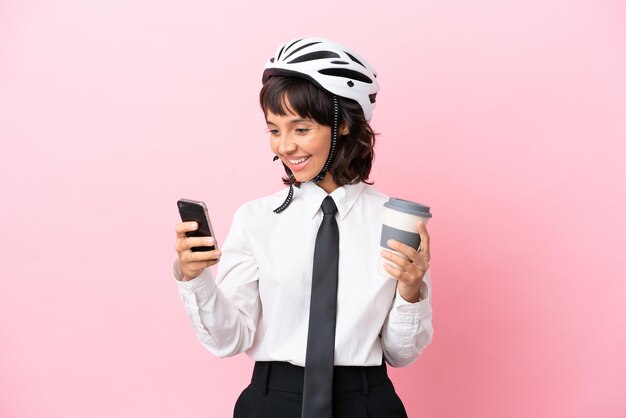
x=329 y=65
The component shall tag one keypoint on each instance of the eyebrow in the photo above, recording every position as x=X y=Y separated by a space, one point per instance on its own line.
x=292 y=121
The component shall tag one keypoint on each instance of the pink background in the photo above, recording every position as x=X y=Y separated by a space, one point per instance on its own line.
x=508 y=117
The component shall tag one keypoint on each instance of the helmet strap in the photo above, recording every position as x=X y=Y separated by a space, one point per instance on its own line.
x=333 y=143
x=287 y=201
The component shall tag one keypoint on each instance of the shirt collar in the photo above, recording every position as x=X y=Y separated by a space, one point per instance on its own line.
x=345 y=197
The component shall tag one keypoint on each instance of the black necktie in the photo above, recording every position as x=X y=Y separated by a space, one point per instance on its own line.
x=317 y=399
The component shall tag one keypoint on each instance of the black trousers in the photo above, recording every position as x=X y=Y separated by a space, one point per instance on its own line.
x=358 y=392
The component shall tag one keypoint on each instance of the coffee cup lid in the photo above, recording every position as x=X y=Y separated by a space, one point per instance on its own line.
x=406 y=206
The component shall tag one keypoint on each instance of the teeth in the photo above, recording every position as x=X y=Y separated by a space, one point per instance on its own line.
x=301 y=160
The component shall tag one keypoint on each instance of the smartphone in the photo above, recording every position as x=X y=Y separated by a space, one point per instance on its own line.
x=195 y=210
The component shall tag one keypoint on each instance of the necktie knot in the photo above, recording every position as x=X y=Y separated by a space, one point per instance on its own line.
x=329 y=207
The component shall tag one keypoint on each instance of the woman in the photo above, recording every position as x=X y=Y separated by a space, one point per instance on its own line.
x=298 y=287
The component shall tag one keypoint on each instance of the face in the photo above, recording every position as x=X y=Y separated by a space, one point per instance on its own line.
x=302 y=144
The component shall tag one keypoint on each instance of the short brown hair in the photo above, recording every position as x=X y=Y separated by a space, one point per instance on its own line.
x=355 y=150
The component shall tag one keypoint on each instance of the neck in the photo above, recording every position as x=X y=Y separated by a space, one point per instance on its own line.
x=328 y=184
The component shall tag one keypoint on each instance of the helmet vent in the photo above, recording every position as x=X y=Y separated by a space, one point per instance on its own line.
x=312 y=56
x=340 y=62
x=373 y=98
x=355 y=60
x=292 y=44
x=280 y=53
x=346 y=73
x=302 y=47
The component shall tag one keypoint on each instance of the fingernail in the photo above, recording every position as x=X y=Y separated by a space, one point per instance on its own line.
x=210 y=240
x=391 y=242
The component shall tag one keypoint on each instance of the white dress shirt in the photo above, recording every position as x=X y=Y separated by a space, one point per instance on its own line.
x=259 y=302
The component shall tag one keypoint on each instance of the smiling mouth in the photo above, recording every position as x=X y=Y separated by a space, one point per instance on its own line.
x=299 y=160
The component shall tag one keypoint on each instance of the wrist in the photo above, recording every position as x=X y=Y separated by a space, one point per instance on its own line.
x=411 y=294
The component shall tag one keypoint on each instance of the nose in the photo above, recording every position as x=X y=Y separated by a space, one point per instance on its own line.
x=286 y=145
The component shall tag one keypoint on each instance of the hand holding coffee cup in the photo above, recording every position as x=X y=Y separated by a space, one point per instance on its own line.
x=405 y=245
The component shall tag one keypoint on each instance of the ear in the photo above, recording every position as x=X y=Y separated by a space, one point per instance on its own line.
x=343 y=129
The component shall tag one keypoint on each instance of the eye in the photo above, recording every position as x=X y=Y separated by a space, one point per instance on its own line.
x=302 y=131
x=273 y=132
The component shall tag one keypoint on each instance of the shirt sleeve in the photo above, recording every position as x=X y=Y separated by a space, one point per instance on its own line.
x=408 y=328
x=224 y=311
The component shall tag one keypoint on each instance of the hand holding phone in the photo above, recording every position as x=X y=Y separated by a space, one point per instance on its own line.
x=196 y=245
